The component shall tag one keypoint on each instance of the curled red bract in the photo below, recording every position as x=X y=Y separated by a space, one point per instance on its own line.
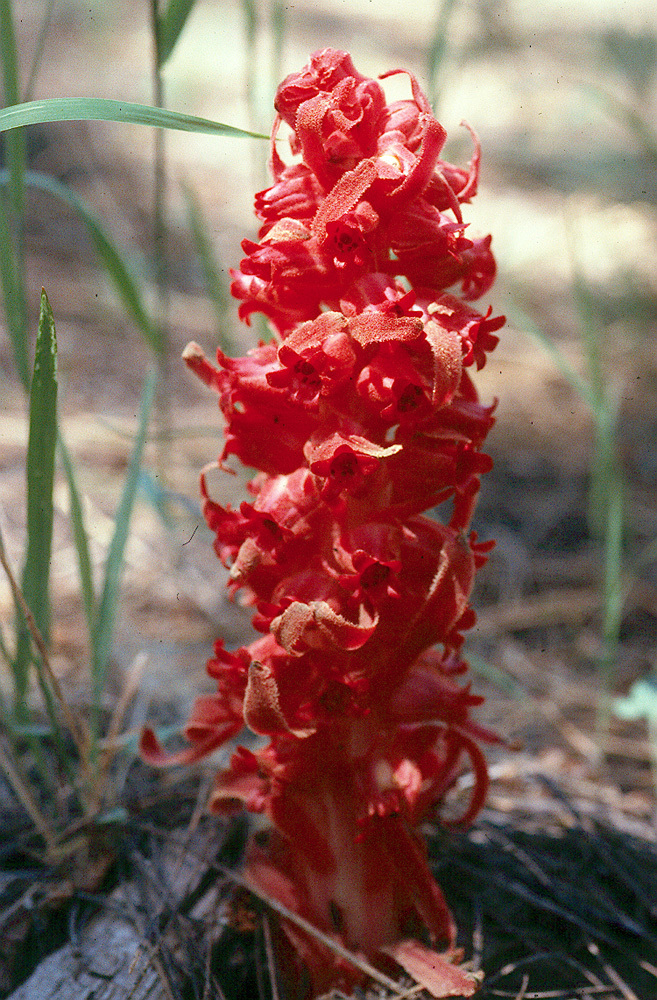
x=359 y=416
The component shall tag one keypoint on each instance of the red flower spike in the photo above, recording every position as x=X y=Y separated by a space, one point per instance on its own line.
x=359 y=417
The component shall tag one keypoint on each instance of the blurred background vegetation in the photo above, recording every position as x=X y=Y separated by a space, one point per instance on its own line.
x=132 y=232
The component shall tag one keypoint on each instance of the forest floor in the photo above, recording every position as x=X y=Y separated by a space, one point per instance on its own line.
x=553 y=888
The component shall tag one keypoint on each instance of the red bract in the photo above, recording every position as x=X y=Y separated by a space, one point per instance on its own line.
x=359 y=416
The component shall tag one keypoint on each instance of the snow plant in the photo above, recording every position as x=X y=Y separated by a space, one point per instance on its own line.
x=360 y=415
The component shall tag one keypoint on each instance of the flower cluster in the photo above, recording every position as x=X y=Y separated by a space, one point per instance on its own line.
x=359 y=416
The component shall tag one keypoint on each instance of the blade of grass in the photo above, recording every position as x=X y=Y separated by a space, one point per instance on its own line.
x=605 y=473
x=438 y=48
x=114 y=565
x=13 y=291
x=13 y=214
x=607 y=488
x=522 y=321
x=606 y=491
x=250 y=21
x=80 y=539
x=66 y=109
x=606 y=477
x=111 y=746
x=32 y=599
x=44 y=28
x=12 y=263
x=613 y=595
x=40 y=479
x=626 y=113
x=250 y=18
x=604 y=415
x=159 y=251
x=24 y=795
x=502 y=680
x=124 y=281
x=15 y=143
x=50 y=689
x=214 y=284
x=170 y=25
x=277 y=28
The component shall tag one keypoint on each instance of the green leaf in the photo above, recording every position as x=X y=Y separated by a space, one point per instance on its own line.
x=113 y=568
x=8 y=53
x=215 y=286
x=15 y=144
x=634 y=53
x=38 y=48
x=503 y=680
x=40 y=479
x=120 y=274
x=278 y=27
x=13 y=292
x=613 y=590
x=67 y=109
x=41 y=466
x=12 y=264
x=81 y=543
x=627 y=114
x=522 y=321
x=170 y=25
x=250 y=15
x=438 y=46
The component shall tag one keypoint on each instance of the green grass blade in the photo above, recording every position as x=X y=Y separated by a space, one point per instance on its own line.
x=12 y=267
x=585 y=308
x=13 y=291
x=605 y=475
x=57 y=732
x=44 y=28
x=215 y=285
x=522 y=321
x=604 y=472
x=124 y=281
x=613 y=597
x=502 y=680
x=606 y=491
x=40 y=479
x=250 y=21
x=20 y=725
x=438 y=47
x=67 y=109
x=8 y=54
x=627 y=115
x=109 y=599
x=80 y=538
x=278 y=29
x=250 y=16
x=170 y=25
x=14 y=144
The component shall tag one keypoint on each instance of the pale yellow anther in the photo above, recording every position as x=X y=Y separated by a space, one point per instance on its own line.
x=393 y=160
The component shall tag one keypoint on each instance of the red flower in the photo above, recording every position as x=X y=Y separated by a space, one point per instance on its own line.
x=360 y=416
